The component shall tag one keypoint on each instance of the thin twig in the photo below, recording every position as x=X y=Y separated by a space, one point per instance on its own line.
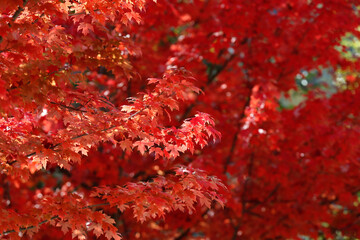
x=272 y=193
x=30 y=227
x=211 y=77
x=187 y=231
x=238 y=128
x=68 y=107
x=52 y=218
x=86 y=134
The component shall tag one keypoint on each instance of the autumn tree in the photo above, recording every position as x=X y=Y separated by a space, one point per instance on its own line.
x=109 y=112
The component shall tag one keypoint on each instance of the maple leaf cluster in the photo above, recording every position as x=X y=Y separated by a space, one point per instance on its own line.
x=109 y=111
x=54 y=113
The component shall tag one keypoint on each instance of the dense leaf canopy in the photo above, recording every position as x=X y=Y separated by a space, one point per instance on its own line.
x=188 y=119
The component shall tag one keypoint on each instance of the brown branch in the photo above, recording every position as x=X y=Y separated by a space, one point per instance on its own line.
x=243 y=196
x=75 y=14
x=97 y=205
x=5 y=50
x=236 y=229
x=19 y=10
x=83 y=12
x=272 y=193
x=68 y=107
x=253 y=214
x=211 y=78
x=30 y=227
x=183 y=234
x=238 y=128
x=280 y=220
x=187 y=231
x=36 y=20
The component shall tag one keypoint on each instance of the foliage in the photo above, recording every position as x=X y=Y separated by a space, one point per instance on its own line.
x=109 y=112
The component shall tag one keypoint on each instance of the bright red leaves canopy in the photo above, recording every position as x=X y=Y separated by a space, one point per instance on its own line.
x=108 y=114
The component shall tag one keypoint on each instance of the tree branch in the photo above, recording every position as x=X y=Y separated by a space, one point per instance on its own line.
x=68 y=107
x=238 y=128
x=187 y=231
x=211 y=78
x=83 y=135
x=272 y=193
x=52 y=218
x=19 y=10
